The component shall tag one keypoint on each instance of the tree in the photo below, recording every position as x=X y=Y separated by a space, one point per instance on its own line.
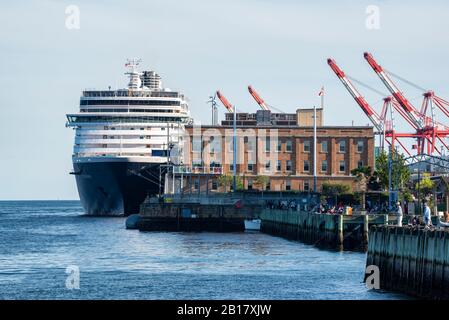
x=262 y=182
x=365 y=170
x=425 y=186
x=400 y=174
x=374 y=182
x=335 y=189
x=227 y=180
x=362 y=175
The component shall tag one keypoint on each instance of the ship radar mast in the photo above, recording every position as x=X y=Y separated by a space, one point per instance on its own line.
x=135 y=82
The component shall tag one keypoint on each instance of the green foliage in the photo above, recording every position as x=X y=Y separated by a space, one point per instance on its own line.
x=362 y=175
x=262 y=181
x=362 y=171
x=425 y=185
x=400 y=174
x=226 y=180
x=406 y=196
x=335 y=189
x=239 y=183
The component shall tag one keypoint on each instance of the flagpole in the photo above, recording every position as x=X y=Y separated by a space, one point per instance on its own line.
x=234 y=178
x=322 y=97
x=314 y=150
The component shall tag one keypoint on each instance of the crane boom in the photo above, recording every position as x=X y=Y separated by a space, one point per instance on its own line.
x=225 y=101
x=258 y=99
x=411 y=111
x=372 y=115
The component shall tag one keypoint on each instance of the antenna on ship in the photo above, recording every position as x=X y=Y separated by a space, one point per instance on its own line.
x=134 y=76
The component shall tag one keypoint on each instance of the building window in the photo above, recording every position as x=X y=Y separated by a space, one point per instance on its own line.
x=360 y=146
x=342 y=146
x=306 y=166
x=211 y=145
x=231 y=167
x=278 y=165
x=196 y=185
x=342 y=167
x=307 y=146
x=267 y=165
x=231 y=144
x=196 y=144
x=288 y=185
x=288 y=165
x=279 y=146
x=214 y=164
x=306 y=186
x=267 y=144
x=250 y=184
x=324 y=166
x=324 y=146
x=288 y=146
x=195 y=162
x=214 y=185
x=249 y=144
x=360 y=164
x=250 y=167
x=268 y=186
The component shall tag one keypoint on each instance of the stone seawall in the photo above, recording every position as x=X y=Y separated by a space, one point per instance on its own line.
x=195 y=217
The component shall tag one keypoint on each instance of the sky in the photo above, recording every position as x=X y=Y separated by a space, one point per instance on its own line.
x=279 y=47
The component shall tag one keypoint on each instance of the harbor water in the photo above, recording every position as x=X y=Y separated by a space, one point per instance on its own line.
x=39 y=240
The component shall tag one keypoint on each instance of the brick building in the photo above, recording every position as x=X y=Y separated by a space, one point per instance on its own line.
x=282 y=151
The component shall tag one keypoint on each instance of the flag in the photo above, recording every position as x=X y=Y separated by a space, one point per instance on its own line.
x=321 y=93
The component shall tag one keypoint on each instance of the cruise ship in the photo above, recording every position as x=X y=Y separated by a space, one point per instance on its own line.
x=123 y=138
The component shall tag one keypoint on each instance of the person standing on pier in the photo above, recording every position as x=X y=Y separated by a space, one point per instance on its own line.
x=399 y=214
x=427 y=219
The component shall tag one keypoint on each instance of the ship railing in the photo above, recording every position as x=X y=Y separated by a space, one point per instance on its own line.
x=130 y=93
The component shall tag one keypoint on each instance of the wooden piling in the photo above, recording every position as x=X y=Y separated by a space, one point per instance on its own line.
x=365 y=230
x=340 y=232
x=410 y=260
x=324 y=230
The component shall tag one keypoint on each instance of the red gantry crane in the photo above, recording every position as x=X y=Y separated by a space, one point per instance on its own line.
x=428 y=129
x=384 y=127
x=258 y=99
x=410 y=111
x=225 y=102
x=371 y=114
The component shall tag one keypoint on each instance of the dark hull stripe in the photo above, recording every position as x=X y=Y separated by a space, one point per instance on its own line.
x=115 y=188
